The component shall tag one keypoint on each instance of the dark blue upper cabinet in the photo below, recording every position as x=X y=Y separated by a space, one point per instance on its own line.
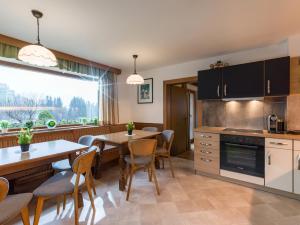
x=210 y=84
x=244 y=80
x=277 y=77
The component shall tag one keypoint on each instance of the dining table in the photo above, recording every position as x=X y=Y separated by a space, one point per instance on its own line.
x=13 y=160
x=120 y=140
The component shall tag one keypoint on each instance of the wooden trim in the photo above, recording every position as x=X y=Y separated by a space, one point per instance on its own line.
x=166 y=96
x=58 y=54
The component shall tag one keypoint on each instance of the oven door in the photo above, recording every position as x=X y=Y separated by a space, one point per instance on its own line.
x=242 y=158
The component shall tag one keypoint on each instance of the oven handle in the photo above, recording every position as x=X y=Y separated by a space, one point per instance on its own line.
x=240 y=145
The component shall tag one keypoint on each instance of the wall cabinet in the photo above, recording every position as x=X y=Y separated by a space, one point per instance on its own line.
x=277 y=77
x=210 y=84
x=245 y=80
x=278 y=164
x=256 y=79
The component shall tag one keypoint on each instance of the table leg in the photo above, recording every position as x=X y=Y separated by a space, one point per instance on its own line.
x=122 y=164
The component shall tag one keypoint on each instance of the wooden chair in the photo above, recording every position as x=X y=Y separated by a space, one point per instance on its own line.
x=142 y=155
x=66 y=183
x=64 y=165
x=165 y=151
x=151 y=129
x=13 y=205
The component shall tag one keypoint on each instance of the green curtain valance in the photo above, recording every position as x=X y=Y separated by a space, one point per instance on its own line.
x=9 y=51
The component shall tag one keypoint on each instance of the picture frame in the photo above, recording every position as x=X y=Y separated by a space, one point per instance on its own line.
x=145 y=92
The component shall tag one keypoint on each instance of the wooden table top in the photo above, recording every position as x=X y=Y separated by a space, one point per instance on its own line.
x=122 y=137
x=12 y=156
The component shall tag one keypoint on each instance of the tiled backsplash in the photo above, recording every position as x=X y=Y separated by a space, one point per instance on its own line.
x=250 y=114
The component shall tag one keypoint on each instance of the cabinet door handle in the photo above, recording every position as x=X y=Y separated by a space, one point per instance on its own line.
x=298 y=159
x=205 y=136
x=204 y=144
x=277 y=143
x=269 y=159
x=218 y=90
x=225 y=90
x=206 y=160
x=269 y=87
x=206 y=152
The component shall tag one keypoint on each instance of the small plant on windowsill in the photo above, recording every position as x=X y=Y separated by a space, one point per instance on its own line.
x=130 y=126
x=24 y=139
x=4 y=124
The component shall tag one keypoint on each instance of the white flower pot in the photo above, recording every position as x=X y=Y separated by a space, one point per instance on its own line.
x=4 y=130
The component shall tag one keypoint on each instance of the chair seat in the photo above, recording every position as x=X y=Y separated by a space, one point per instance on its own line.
x=139 y=160
x=11 y=206
x=61 y=183
x=61 y=165
x=160 y=151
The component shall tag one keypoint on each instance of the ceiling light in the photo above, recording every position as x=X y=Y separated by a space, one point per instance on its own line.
x=135 y=78
x=36 y=54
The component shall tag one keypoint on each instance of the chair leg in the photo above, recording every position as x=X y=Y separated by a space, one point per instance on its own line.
x=129 y=185
x=93 y=184
x=38 y=211
x=75 y=196
x=57 y=205
x=149 y=174
x=88 y=185
x=163 y=162
x=25 y=216
x=171 y=167
x=155 y=179
x=65 y=201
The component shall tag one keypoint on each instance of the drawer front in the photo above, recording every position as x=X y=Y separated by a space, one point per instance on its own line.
x=200 y=144
x=207 y=164
x=279 y=143
x=297 y=145
x=206 y=136
x=208 y=152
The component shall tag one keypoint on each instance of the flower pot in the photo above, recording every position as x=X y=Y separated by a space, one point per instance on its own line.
x=129 y=132
x=25 y=148
x=4 y=130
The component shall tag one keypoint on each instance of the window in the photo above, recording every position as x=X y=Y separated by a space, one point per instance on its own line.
x=38 y=96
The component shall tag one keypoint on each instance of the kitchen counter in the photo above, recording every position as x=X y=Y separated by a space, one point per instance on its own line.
x=265 y=134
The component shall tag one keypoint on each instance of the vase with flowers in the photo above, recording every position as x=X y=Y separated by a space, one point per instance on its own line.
x=130 y=126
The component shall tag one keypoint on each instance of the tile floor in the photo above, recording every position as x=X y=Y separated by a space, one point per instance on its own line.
x=186 y=200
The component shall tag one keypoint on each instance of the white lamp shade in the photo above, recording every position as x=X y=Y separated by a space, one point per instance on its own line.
x=37 y=55
x=135 y=79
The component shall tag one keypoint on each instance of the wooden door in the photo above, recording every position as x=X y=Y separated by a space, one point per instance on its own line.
x=244 y=80
x=210 y=84
x=279 y=169
x=277 y=77
x=179 y=113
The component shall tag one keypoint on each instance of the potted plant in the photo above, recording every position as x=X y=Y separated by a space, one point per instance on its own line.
x=4 y=126
x=130 y=126
x=24 y=139
x=29 y=124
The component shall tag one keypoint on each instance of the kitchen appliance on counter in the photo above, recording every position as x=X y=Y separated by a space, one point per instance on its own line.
x=243 y=158
x=272 y=123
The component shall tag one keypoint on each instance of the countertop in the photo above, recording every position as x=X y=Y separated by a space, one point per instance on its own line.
x=220 y=130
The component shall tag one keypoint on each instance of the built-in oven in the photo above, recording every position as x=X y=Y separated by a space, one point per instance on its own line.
x=243 y=154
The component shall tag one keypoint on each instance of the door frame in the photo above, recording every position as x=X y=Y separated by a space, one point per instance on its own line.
x=166 y=96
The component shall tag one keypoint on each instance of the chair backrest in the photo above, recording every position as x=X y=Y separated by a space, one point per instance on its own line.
x=142 y=147
x=4 y=187
x=152 y=129
x=168 y=137
x=87 y=140
x=83 y=163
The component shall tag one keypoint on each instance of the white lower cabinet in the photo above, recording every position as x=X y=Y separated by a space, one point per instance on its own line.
x=297 y=167
x=279 y=168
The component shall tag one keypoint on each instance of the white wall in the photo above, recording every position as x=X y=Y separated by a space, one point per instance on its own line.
x=130 y=110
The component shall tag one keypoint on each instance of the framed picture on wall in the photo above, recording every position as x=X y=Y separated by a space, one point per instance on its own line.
x=145 y=92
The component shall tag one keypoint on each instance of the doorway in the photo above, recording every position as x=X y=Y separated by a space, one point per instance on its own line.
x=180 y=114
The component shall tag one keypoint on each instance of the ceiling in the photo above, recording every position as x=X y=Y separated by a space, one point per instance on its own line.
x=162 y=32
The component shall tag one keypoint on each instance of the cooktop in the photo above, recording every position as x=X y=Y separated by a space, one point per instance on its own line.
x=244 y=130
